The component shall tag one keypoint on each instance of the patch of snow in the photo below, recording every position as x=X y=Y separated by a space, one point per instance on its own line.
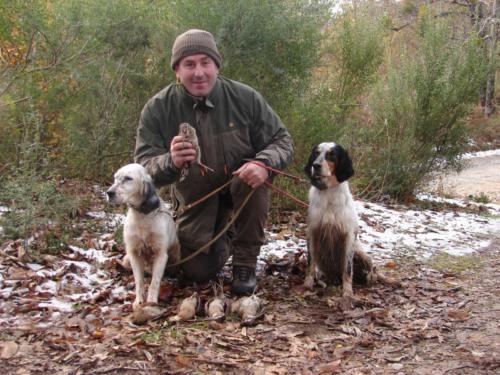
x=112 y=220
x=119 y=291
x=279 y=248
x=391 y=232
x=49 y=286
x=492 y=207
x=386 y=232
x=91 y=254
x=58 y=305
x=34 y=266
x=480 y=154
x=50 y=273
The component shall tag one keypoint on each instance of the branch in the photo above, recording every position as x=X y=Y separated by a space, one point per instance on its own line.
x=16 y=101
x=61 y=62
x=111 y=156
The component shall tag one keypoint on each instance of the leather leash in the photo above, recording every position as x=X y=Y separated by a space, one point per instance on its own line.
x=198 y=201
x=236 y=214
x=226 y=227
x=277 y=189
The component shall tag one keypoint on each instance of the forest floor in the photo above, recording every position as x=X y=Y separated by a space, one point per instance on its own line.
x=69 y=313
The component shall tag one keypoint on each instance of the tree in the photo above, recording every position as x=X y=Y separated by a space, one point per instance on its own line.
x=491 y=46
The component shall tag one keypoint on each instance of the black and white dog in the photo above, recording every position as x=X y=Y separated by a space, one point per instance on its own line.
x=333 y=245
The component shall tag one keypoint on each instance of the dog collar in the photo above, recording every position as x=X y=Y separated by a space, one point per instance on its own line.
x=147 y=207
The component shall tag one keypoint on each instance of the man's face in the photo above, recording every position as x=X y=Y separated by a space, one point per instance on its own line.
x=197 y=74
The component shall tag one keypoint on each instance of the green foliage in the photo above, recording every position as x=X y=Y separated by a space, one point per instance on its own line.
x=352 y=51
x=269 y=45
x=76 y=74
x=34 y=203
x=480 y=198
x=419 y=112
x=409 y=6
x=96 y=63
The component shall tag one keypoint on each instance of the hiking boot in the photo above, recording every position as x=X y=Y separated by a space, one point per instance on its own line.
x=244 y=280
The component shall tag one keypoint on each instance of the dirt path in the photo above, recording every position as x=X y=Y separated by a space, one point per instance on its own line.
x=481 y=176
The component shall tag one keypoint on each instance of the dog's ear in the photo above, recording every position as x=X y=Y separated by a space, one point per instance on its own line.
x=308 y=166
x=151 y=199
x=344 y=169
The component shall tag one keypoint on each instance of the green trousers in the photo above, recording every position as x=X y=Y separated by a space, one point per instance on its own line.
x=243 y=240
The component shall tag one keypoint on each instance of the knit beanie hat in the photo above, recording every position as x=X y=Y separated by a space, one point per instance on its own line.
x=192 y=42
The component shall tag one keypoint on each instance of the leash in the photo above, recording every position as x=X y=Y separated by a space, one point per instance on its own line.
x=288 y=195
x=236 y=214
x=209 y=243
x=277 y=189
x=277 y=171
x=204 y=198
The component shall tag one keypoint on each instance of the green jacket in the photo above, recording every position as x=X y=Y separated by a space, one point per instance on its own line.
x=233 y=123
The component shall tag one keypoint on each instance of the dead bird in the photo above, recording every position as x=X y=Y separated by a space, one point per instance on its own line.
x=187 y=309
x=189 y=134
x=146 y=313
x=249 y=309
x=216 y=307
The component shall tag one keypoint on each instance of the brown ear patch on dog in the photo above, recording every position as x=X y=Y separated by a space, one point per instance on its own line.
x=331 y=180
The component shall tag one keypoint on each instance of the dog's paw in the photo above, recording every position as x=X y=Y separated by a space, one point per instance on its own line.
x=309 y=283
x=346 y=303
x=137 y=305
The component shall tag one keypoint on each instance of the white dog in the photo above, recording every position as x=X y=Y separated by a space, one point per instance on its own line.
x=149 y=232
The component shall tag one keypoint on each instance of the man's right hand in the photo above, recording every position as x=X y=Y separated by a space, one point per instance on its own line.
x=182 y=152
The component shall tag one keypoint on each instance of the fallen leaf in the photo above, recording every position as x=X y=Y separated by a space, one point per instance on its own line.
x=390 y=264
x=9 y=349
x=459 y=315
x=98 y=334
x=331 y=368
x=350 y=330
x=216 y=325
x=183 y=361
x=395 y=359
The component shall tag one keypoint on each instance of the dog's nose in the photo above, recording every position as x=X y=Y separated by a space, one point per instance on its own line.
x=317 y=166
x=110 y=194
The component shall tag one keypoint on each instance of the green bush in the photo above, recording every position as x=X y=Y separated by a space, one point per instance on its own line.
x=351 y=52
x=34 y=204
x=419 y=111
x=96 y=64
x=71 y=105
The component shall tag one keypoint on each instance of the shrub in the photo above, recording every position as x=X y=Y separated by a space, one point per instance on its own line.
x=419 y=111
x=352 y=50
x=34 y=204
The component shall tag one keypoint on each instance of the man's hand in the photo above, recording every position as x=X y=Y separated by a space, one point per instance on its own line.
x=252 y=173
x=182 y=152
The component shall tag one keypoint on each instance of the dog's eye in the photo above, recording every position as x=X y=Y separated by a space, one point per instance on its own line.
x=127 y=178
x=330 y=155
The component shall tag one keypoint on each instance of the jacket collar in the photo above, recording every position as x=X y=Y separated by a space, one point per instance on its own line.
x=209 y=101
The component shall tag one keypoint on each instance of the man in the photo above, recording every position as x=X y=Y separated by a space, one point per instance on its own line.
x=238 y=134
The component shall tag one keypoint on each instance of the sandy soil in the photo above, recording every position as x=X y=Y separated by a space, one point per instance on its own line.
x=481 y=176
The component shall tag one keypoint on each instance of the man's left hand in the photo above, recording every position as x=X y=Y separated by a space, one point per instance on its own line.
x=252 y=173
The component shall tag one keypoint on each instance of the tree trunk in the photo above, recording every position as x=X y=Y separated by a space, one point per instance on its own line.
x=489 y=102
